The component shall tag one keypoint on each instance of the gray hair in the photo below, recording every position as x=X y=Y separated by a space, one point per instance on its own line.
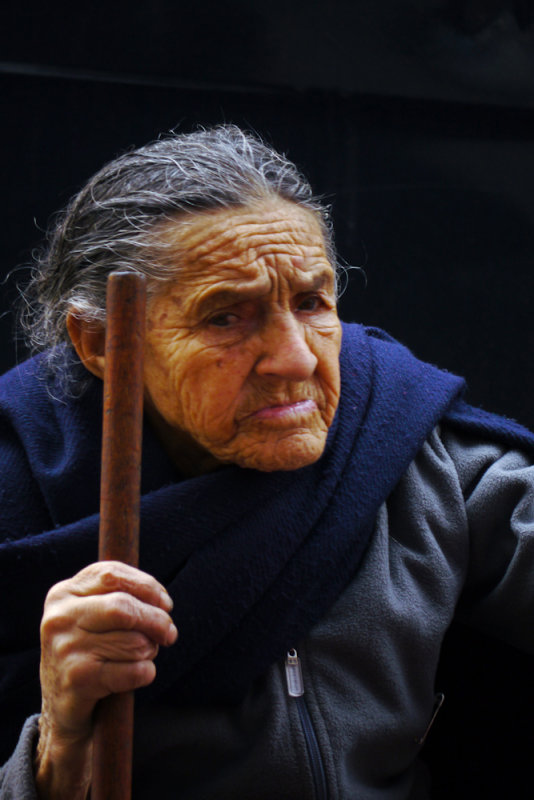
x=114 y=222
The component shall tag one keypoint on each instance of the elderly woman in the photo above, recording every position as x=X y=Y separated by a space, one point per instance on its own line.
x=313 y=511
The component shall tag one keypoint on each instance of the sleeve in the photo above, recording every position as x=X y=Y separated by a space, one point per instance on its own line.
x=498 y=487
x=16 y=776
x=23 y=514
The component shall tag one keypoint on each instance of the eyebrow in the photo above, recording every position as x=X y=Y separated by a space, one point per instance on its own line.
x=320 y=279
x=223 y=297
x=220 y=298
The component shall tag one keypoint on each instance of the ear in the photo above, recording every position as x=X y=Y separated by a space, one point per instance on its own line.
x=88 y=339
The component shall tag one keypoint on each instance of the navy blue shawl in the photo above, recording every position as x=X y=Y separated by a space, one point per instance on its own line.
x=251 y=559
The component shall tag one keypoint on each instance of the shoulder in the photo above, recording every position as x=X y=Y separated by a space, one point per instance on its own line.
x=49 y=444
x=459 y=478
x=473 y=453
x=40 y=394
x=23 y=384
x=469 y=456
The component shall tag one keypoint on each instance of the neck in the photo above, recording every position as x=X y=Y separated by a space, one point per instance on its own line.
x=190 y=458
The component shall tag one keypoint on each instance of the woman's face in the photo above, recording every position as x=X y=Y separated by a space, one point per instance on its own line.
x=242 y=351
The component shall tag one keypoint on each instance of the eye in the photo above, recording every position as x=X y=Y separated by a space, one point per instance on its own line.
x=223 y=320
x=311 y=302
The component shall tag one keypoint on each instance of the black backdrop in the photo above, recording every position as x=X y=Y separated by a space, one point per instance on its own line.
x=415 y=119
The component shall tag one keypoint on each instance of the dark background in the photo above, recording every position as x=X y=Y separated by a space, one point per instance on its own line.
x=414 y=118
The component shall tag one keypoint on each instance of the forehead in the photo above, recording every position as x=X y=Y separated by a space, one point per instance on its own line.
x=240 y=243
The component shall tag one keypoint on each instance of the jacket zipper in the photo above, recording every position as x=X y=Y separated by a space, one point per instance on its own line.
x=295 y=690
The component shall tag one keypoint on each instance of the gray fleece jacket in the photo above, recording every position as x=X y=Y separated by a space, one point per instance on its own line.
x=346 y=715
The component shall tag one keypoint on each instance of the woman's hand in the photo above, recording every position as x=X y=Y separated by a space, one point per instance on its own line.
x=100 y=633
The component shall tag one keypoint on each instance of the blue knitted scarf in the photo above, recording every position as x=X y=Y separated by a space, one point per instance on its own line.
x=252 y=560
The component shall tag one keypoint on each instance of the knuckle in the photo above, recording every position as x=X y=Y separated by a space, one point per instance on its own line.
x=54 y=620
x=60 y=647
x=57 y=592
x=48 y=626
x=52 y=595
x=140 y=648
x=124 y=611
x=90 y=574
x=102 y=575
x=109 y=575
x=78 y=675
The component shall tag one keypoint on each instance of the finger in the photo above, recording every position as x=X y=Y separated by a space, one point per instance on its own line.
x=126 y=677
x=98 y=614
x=84 y=681
x=122 y=612
x=117 y=646
x=73 y=681
x=104 y=577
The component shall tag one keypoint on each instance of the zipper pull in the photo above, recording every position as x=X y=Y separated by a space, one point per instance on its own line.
x=295 y=684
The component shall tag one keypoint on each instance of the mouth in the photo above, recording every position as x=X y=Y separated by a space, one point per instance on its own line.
x=285 y=411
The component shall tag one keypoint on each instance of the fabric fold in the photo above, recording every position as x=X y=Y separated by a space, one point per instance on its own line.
x=252 y=560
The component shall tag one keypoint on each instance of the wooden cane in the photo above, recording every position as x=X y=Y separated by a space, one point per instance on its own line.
x=119 y=505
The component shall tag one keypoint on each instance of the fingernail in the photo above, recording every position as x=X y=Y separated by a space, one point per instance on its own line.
x=166 y=600
x=172 y=634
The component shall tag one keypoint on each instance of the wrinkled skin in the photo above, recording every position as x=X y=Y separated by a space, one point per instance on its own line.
x=100 y=632
x=241 y=366
x=242 y=352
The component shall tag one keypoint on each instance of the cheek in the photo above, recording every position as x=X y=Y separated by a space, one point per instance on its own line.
x=214 y=388
x=196 y=388
x=327 y=348
x=165 y=373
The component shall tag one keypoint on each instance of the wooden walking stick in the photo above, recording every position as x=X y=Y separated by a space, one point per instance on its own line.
x=119 y=505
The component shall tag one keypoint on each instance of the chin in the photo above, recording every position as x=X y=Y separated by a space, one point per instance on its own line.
x=289 y=454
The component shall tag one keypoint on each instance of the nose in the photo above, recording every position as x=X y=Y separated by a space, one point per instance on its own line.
x=285 y=352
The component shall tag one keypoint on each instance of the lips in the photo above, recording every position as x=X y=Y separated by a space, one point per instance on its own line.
x=285 y=411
